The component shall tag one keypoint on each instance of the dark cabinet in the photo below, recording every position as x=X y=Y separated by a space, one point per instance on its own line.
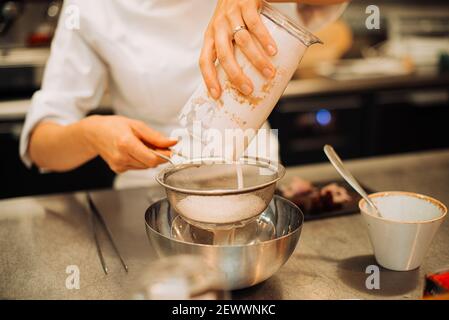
x=410 y=120
x=365 y=124
x=306 y=125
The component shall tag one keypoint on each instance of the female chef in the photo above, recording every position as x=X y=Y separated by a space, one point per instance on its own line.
x=146 y=54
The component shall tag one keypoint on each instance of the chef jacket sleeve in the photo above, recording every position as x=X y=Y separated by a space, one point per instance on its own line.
x=73 y=84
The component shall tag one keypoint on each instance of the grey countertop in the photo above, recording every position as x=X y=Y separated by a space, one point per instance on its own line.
x=41 y=236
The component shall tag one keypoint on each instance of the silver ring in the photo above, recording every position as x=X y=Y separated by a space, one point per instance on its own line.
x=237 y=29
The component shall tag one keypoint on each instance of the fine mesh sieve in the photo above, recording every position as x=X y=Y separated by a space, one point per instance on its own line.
x=206 y=191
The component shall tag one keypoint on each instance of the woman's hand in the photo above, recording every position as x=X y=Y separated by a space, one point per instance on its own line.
x=123 y=143
x=221 y=36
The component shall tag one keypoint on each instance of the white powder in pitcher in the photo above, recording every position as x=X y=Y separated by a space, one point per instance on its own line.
x=221 y=209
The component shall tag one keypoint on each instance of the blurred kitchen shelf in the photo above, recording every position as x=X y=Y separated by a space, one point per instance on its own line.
x=15 y=109
x=24 y=56
x=324 y=86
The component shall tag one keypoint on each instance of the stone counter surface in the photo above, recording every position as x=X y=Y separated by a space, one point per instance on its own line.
x=41 y=236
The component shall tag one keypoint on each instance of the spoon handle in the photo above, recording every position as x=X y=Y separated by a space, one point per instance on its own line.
x=160 y=155
x=338 y=165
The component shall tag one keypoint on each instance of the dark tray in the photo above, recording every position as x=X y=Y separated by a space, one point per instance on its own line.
x=347 y=209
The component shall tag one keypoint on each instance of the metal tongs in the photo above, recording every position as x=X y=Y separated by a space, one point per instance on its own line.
x=95 y=214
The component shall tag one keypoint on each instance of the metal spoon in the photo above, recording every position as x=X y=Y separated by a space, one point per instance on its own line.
x=341 y=169
x=163 y=156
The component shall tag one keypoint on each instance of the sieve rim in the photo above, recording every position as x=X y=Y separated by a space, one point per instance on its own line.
x=275 y=166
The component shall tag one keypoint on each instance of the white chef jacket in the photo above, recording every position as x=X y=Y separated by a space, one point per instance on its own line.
x=144 y=52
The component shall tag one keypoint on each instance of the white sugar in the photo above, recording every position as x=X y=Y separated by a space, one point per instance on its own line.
x=221 y=209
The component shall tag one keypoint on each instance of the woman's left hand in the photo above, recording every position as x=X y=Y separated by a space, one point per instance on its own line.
x=224 y=32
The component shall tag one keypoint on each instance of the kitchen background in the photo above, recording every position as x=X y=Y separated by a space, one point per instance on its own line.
x=366 y=92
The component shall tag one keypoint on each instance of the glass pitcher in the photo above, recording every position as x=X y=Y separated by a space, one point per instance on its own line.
x=225 y=127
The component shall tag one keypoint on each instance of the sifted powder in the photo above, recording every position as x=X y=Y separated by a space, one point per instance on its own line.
x=239 y=171
x=221 y=209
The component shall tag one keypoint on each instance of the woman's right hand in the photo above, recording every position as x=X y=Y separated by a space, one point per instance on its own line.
x=123 y=143
x=221 y=38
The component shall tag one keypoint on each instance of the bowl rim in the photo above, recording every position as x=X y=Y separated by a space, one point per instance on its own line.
x=280 y=169
x=420 y=196
x=290 y=234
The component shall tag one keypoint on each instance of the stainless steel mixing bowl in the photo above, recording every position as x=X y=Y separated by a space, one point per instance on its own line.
x=206 y=193
x=243 y=265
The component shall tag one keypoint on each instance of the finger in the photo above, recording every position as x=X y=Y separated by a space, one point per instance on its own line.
x=225 y=54
x=143 y=154
x=249 y=47
x=136 y=164
x=255 y=25
x=151 y=136
x=207 y=67
x=165 y=152
x=134 y=168
x=117 y=168
x=123 y=156
x=126 y=168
